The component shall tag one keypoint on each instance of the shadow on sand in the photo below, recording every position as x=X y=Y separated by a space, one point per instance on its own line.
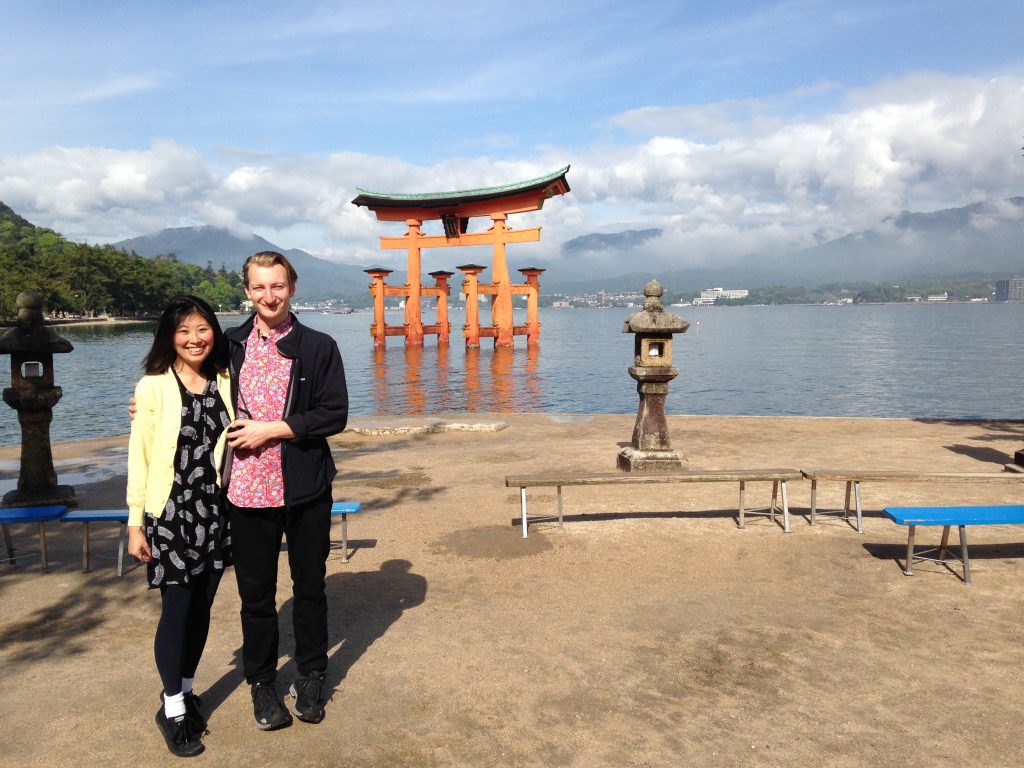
x=362 y=606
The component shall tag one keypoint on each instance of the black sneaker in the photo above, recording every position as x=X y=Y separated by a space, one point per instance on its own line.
x=308 y=705
x=267 y=707
x=194 y=712
x=178 y=734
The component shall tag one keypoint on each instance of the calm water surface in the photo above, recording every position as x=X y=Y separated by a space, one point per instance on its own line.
x=922 y=361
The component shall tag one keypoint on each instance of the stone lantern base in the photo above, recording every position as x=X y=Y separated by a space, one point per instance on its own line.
x=59 y=496
x=1017 y=465
x=632 y=459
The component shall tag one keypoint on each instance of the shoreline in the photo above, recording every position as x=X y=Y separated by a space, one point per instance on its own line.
x=465 y=421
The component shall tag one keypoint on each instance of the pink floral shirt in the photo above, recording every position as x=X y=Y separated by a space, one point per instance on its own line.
x=256 y=476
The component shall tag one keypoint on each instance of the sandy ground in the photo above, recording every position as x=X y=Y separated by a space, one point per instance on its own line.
x=652 y=632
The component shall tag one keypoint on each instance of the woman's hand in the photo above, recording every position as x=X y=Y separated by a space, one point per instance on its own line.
x=138 y=547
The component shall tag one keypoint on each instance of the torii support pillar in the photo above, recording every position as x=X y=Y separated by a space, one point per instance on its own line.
x=413 y=318
x=471 y=287
x=532 y=304
x=379 y=329
x=441 y=290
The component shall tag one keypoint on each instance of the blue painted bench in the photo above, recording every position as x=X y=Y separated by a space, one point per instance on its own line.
x=344 y=509
x=86 y=516
x=39 y=515
x=947 y=517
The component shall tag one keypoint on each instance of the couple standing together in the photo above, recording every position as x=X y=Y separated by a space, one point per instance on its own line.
x=228 y=452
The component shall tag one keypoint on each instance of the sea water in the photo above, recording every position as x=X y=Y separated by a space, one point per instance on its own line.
x=957 y=361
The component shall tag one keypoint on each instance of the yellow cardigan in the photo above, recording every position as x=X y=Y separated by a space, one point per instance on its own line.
x=153 y=440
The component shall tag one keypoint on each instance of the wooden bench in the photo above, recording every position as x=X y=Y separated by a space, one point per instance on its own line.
x=742 y=476
x=344 y=509
x=854 y=477
x=961 y=517
x=86 y=516
x=38 y=515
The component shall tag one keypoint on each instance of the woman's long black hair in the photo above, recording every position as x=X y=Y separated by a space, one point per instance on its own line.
x=162 y=354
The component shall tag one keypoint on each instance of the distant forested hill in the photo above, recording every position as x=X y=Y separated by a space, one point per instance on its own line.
x=78 y=279
x=319 y=279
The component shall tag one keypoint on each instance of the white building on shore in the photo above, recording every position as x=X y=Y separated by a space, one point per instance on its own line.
x=710 y=295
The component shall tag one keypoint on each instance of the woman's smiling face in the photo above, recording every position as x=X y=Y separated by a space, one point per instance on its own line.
x=193 y=340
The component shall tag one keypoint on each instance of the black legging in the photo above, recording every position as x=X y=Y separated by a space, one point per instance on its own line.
x=183 y=627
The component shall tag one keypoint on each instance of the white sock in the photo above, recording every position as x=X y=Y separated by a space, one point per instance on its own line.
x=174 y=706
x=187 y=683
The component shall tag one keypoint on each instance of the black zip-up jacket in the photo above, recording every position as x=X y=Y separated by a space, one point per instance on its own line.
x=316 y=407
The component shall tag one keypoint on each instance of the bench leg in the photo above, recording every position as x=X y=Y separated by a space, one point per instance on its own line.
x=860 y=514
x=846 y=504
x=814 y=499
x=775 y=495
x=10 y=545
x=344 y=537
x=558 y=493
x=963 y=554
x=743 y=487
x=785 y=509
x=522 y=506
x=122 y=537
x=42 y=546
x=85 y=546
x=910 y=551
x=944 y=543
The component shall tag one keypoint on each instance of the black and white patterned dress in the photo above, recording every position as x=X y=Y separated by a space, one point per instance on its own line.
x=192 y=535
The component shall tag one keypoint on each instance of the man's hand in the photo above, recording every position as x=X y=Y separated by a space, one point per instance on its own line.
x=131 y=409
x=249 y=435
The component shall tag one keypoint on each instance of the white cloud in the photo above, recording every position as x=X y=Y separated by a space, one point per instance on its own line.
x=723 y=181
x=112 y=88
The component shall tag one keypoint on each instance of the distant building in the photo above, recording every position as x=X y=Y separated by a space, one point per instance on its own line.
x=561 y=304
x=1010 y=290
x=944 y=296
x=715 y=293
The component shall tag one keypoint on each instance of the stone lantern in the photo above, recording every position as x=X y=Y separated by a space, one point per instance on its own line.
x=32 y=394
x=650 y=450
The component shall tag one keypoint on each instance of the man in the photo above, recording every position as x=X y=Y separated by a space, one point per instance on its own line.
x=288 y=386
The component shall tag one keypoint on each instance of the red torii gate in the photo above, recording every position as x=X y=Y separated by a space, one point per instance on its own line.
x=454 y=210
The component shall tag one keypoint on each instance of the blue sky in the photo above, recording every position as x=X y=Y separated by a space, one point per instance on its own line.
x=729 y=125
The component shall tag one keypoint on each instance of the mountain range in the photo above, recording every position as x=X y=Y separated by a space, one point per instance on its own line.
x=978 y=239
x=319 y=279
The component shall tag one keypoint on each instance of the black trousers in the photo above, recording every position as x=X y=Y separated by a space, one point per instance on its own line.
x=256 y=545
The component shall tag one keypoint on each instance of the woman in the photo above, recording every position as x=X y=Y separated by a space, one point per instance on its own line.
x=176 y=524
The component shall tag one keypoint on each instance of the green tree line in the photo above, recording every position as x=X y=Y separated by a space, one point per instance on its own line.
x=90 y=280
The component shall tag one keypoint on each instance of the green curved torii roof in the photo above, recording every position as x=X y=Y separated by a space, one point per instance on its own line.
x=441 y=199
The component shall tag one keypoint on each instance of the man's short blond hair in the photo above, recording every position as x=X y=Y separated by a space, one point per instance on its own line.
x=269 y=259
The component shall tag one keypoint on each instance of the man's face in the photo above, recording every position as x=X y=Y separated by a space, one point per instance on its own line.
x=270 y=293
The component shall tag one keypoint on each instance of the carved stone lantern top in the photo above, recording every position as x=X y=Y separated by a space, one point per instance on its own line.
x=653 y=318
x=29 y=334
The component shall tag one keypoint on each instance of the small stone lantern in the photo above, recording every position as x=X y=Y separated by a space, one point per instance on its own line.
x=32 y=394
x=650 y=450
